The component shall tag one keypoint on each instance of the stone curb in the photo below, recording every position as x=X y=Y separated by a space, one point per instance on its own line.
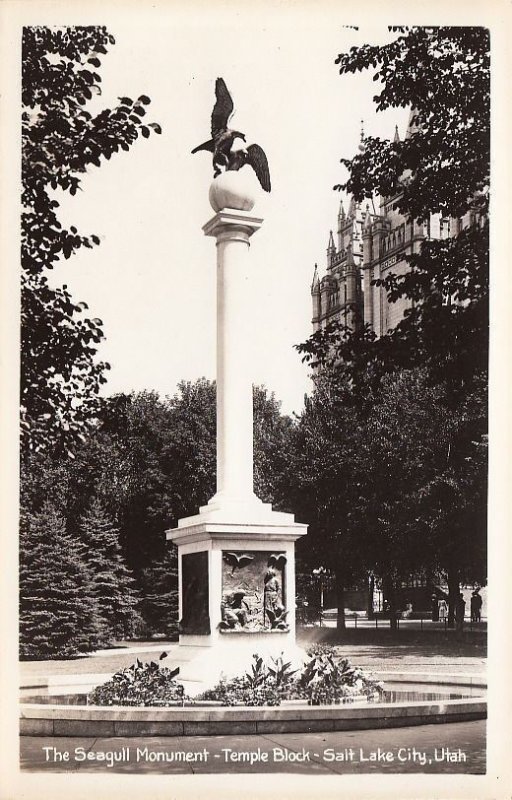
x=59 y=720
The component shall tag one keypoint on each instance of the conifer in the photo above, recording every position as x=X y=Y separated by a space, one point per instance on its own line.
x=112 y=584
x=58 y=615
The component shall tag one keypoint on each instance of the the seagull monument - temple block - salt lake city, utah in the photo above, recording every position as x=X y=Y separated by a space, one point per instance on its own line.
x=236 y=557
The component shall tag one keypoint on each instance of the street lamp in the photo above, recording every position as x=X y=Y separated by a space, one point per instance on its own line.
x=321 y=573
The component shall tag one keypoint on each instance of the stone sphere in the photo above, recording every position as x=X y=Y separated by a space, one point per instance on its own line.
x=233 y=189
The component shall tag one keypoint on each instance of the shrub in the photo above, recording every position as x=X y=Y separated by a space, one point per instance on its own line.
x=324 y=679
x=239 y=691
x=328 y=679
x=256 y=688
x=141 y=684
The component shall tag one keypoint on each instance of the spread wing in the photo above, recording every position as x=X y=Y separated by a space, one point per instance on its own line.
x=231 y=559
x=210 y=145
x=222 y=109
x=234 y=560
x=277 y=560
x=257 y=159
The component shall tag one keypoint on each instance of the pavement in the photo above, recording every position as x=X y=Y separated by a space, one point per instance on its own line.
x=388 y=654
x=448 y=748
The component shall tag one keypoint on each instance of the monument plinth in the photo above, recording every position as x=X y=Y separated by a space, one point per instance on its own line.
x=236 y=557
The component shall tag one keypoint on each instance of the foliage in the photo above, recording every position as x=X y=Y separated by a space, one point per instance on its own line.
x=141 y=684
x=322 y=680
x=158 y=587
x=258 y=687
x=149 y=461
x=112 y=585
x=381 y=495
x=60 y=376
x=59 y=615
x=328 y=679
x=272 y=440
x=281 y=671
x=390 y=461
x=443 y=75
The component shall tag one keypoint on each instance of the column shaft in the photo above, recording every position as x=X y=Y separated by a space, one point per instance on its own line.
x=234 y=379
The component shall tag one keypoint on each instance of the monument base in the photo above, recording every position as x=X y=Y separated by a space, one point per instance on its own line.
x=236 y=589
x=202 y=668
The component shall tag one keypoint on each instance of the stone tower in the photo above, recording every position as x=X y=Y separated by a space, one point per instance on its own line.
x=371 y=244
x=337 y=295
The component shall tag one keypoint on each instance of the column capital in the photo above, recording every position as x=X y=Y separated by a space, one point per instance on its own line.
x=230 y=224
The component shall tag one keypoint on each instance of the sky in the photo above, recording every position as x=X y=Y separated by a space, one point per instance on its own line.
x=152 y=279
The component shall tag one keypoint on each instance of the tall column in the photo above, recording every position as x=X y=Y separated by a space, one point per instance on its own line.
x=234 y=523
x=232 y=230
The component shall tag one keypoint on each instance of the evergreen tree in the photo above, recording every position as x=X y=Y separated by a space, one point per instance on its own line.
x=112 y=585
x=159 y=592
x=58 y=614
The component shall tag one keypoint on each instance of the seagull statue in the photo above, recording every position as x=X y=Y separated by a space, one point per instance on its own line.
x=221 y=143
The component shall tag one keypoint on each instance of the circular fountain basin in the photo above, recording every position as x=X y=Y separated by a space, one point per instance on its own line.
x=412 y=699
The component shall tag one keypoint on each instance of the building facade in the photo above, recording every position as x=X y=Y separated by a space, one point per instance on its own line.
x=371 y=243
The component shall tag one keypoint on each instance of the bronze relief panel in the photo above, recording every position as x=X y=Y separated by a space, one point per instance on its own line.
x=253 y=595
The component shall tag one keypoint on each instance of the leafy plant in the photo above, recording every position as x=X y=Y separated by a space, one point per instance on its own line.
x=240 y=692
x=258 y=674
x=328 y=679
x=258 y=687
x=141 y=684
x=281 y=672
x=324 y=679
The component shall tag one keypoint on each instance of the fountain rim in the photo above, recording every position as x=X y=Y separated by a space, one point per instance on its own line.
x=133 y=721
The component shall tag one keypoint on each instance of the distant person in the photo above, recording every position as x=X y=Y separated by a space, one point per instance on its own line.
x=476 y=606
x=443 y=610
x=435 y=608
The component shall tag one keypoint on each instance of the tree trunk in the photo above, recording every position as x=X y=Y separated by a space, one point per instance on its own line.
x=340 y=602
x=453 y=595
x=371 y=589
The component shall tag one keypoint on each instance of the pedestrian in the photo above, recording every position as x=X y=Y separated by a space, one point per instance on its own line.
x=443 y=610
x=435 y=608
x=476 y=606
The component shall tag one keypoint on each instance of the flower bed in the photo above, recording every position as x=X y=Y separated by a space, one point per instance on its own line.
x=325 y=679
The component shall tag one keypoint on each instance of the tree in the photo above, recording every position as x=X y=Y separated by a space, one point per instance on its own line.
x=324 y=481
x=159 y=592
x=441 y=167
x=150 y=462
x=443 y=74
x=389 y=488
x=112 y=585
x=60 y=375
x=272 y=442
x=58 y=614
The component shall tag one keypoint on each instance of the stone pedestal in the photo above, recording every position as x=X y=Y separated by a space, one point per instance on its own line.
x=236 y=556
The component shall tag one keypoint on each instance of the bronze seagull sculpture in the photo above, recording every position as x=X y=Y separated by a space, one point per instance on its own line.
x=223 y=138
